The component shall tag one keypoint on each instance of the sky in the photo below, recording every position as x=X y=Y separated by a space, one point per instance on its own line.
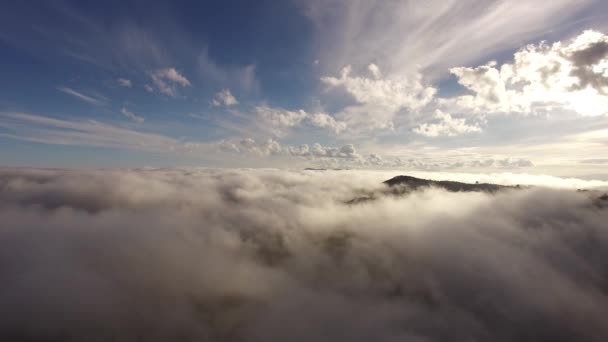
x=471 y=86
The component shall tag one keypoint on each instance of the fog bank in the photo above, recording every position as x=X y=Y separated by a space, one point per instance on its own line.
x=270 y=255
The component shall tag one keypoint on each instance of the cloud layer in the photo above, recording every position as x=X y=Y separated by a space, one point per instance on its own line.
x=278 y=255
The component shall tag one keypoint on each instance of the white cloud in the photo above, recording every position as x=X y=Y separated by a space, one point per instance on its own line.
x=279 y=121
x=378 y=99
x=225 y=98
x=403 y=36
x=132 y=116
x=447 y=126
x=167 y=81
x=123 y=82
x=241 y=77
x=374 y=70
x=42 y=129
x=90 y=99
x=270 y=147
x=327 y=121
x=236 y=252
x=148 y=88
x=561 y=76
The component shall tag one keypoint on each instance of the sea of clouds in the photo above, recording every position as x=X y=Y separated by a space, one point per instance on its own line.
x=274 y=255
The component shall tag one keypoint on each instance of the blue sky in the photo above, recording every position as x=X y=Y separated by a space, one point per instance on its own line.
x=465 y=85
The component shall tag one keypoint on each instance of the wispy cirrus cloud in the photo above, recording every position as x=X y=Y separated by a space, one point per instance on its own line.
x=95 y=100
x=129 y=114
x=404 y=36
x=29 y=127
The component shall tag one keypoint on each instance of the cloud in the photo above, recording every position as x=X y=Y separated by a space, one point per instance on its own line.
x=269 y=255
x=347 y=156
x=595 y=161
x=240 y=77
x=543 y=78
x=271 y=147
x=132 y=116
x=148 y=88
x=379 y=161
x=225 y=98
x=41 y=129
x=374 y=70
x=377 y=100
x=327 y=121
x=279 y=121
x=167 y=81
x=447 y=126
x=98 y=101
x=403 y=37
x=123 y=82
x=29 y=127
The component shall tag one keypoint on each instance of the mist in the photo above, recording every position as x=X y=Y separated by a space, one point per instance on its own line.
x=275 y=255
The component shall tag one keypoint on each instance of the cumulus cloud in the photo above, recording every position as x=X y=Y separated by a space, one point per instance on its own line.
x=277 y=120
x=42 y=129
x=271 y=147
x=374 y=71
x=277 y=255
x=560 y=76
x=378 y=161
x=347 y=156
x=135 y=118
x=378 y=99
x=327 y=121
x=167 y=81
x=447 y=126
x=123 y=82
x=225 y=98
x=280 y=121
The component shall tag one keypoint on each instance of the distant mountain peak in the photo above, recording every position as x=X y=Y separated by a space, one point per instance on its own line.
x=414 y=183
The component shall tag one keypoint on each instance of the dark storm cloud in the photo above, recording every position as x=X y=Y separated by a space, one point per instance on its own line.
x=205 y=255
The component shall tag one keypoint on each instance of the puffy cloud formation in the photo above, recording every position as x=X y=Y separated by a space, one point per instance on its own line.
x=225 y=98
x=378 y=99
x=279 y=121
x=49 y=130
x=167 y=80
x=435 y=164
x=347 y=156
x=271 y=147
x=327 y=121
x=447 y=126
x=123 y=82
x=543 y=77
x=276 y=255
x=134 y=117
